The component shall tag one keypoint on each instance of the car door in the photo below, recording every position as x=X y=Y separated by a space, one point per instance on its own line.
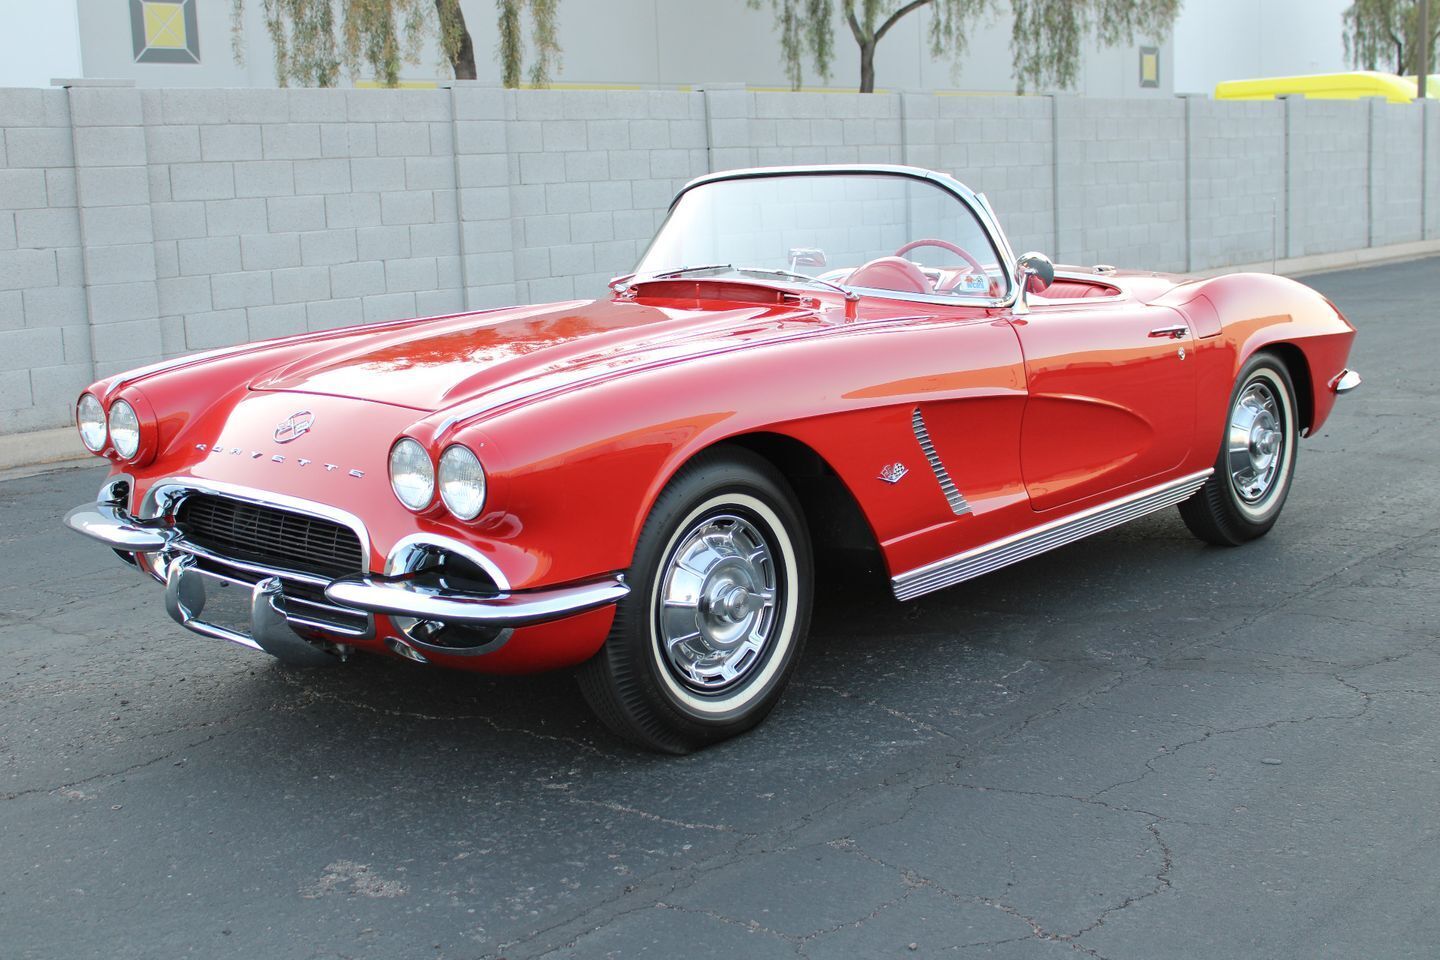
x=1111 y=397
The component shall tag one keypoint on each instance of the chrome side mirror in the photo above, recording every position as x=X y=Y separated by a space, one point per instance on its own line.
x=806 y=257
x=1033 y=273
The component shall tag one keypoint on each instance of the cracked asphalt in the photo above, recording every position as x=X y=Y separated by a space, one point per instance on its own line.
x=1135 y=748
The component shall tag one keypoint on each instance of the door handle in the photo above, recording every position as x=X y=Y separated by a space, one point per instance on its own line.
x=1175 y=331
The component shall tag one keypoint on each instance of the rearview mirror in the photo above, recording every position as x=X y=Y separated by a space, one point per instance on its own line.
x=806 y=257
x=1033 y=273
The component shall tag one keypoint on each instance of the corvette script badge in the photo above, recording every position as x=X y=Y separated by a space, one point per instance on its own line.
x=294 y=426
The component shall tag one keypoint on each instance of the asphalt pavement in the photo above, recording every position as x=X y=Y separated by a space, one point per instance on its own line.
x=1135 y=748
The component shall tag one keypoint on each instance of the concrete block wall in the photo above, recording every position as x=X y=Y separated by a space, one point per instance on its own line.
x=45 y=357
x=1003 y=147
x=1237 y=182
x=1121 y=182
x=277 y=211
x=137 y=225
x=1395 y=141
x=591 y=176
x=1329 y=176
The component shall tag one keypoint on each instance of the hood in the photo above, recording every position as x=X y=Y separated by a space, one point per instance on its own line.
x=430 y=366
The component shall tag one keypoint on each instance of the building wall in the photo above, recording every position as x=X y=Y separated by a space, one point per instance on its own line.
x=652 y=43
x=1217 y=40
x=141 y=224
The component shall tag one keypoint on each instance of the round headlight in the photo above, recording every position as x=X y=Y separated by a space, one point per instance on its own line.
x=124 y=429
x=90 y=418
x=412 y=475
x=462 y=482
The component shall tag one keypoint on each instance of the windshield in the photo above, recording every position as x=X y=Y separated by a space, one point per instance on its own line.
x=878 y=231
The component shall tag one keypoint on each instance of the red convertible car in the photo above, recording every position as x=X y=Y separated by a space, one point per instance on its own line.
x=636 y=487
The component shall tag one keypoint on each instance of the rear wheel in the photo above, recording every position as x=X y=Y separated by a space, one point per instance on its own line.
x=1244 y=496
x=704 y=644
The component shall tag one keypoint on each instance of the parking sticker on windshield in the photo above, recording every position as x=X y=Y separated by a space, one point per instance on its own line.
x=974 y=283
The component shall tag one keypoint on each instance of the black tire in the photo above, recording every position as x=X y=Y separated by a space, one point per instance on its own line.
x=642 y=694
x=1227 y=511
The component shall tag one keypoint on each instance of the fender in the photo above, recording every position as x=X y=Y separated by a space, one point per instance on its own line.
x=1247 y=312
x=849 y=397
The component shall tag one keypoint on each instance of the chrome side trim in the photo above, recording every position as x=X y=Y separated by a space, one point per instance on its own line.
x=958 y=504
x=1347 y=381
x=1057 y=533
x=401 y=596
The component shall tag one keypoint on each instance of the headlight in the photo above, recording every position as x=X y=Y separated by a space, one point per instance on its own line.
x=412 y=475
x=90 y=418
x=124 y=429
x=462 y=482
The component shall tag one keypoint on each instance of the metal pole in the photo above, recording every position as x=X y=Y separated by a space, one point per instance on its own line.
x=1422 y=73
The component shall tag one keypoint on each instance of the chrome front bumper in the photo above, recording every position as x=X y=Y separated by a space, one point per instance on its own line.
x=272 y=622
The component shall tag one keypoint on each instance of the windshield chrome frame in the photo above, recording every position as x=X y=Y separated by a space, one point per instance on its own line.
x=977 y=205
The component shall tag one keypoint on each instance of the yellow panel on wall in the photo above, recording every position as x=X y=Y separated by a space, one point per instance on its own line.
x=164 y=25
x=164 y=31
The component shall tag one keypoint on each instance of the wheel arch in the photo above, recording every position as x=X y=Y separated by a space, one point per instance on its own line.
x=1297 y=365
x=833 y=516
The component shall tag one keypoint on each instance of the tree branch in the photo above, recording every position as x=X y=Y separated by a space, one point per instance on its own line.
x=855 y=27
x=910 y=7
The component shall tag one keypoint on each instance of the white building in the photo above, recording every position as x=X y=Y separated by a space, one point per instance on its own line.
x=671 y=43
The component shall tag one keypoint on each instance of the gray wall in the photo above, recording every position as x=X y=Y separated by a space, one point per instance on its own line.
x=670 y=43
x=140 y=224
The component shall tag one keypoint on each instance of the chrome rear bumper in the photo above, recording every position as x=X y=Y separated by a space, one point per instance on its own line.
x=1347 y=380
x=188 y=569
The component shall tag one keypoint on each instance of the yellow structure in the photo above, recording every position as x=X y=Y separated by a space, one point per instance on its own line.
x=1323 y=86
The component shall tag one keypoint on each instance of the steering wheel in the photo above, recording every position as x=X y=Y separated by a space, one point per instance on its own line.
x=960 y=252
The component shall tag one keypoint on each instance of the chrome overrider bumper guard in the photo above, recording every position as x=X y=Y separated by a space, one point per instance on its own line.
x=270 y=623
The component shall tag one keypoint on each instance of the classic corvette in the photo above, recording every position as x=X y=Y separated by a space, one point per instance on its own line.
x=804 y=359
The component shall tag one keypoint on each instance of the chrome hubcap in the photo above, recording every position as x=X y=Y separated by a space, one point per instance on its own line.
x=717 y=603
x=1256 y=442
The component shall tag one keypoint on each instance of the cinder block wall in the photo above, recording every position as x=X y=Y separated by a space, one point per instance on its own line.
x=45 y=354
x=138 y=225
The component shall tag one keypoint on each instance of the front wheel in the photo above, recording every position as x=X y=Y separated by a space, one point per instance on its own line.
x=721 y=582
x=1244 y=496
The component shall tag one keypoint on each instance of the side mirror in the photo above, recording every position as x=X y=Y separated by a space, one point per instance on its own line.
x=1034 y=273
x=806 y=257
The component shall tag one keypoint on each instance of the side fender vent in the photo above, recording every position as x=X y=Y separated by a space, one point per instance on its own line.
x=958 y=504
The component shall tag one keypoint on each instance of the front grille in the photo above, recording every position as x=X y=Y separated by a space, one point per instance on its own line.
x=271 y=536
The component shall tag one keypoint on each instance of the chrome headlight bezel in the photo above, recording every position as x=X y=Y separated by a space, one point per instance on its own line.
x=90 y=420
x=462 y=482
x=412 y=474
x=124 y=427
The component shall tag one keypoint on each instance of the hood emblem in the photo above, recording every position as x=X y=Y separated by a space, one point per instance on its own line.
x=294 y=426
